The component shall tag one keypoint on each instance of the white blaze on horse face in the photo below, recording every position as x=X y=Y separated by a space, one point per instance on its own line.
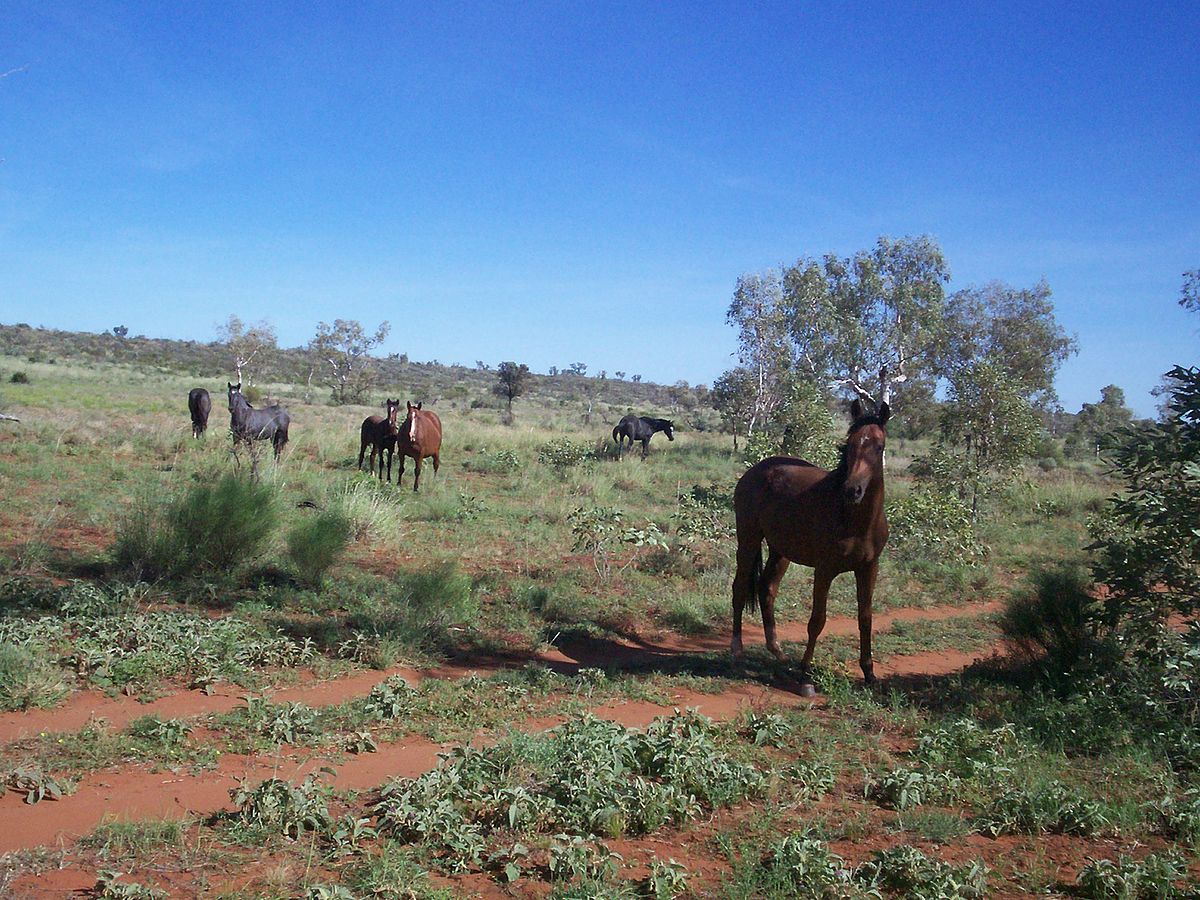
x=412 y=427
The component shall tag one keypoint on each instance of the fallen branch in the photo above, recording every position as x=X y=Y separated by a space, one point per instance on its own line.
x=5 y=417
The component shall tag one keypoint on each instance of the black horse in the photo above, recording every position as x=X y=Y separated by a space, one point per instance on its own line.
x=249 y=424
x=641 y=428
x=199 y=405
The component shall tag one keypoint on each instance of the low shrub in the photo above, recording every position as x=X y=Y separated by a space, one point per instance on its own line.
x=564 y=453
x=211 y=528
x=1151 y=878
x=315 y=544
x=1054 y=618
x=29 y=679
x=929 y=523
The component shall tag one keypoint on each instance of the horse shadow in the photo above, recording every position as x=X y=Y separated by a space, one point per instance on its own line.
x=580 y=648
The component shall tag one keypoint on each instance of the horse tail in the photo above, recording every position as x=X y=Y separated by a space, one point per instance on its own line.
x=616 y=433
x=755 y=578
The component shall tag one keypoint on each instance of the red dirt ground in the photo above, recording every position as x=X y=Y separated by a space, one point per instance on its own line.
x=136 y=793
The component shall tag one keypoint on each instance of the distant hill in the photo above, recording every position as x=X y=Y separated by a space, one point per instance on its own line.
x=430 y=381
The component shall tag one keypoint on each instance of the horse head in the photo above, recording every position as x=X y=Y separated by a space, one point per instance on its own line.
x=669 y=429
x=393 y=407
x=236 y=399
x=411 y=421
x=862 y=457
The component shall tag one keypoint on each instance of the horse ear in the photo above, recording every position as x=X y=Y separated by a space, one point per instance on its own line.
x=419 y=403
x=884 y=412
x=856 y=409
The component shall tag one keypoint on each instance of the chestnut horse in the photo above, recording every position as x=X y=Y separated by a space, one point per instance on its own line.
x=420 y=436
x=379 y=434
x=832 y=521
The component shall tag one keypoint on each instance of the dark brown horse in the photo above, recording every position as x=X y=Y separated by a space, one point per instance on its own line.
x=420 y=436
x=832 y=521
x=379 y=433
x=199 y=405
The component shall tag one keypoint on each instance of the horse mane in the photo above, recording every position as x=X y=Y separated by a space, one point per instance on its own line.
x=842 y=469
x=657 y=423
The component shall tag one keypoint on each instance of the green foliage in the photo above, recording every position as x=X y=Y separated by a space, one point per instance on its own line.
x=586 y=779
x=281 y=723
x=808 y=868
x=512 y=380
x=1054 y=618
x=1097 y=423
x=564 y=453
x=1180 y=817
x=498 y=462
x=314 y=544
x=212 y=528
x=28 y=678
x=908 y=872
x=1148 y=541
x=1153 y=877
x=109 y=886
x=19 y=378
x=276 y=807
x=598 y=529
x=704 y=515
x=36 y=784
x=118 y=649
x=160 y=732
x=905 y=788
x=1046 y=808
x=987 y=430
x=932 y=523
x=666 y=880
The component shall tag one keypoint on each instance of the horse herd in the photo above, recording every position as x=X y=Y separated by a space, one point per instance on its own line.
x=419 y=437
x=832 y=521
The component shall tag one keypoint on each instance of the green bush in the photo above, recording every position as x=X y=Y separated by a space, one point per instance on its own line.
x=211 y=528
x=908 y=872
x=1151 y=878
x=930 y=523
x=315 y=544
x=28 y=678
x=563 y=453
x=19 y=378
x=1050 y=808
x=1055 y=618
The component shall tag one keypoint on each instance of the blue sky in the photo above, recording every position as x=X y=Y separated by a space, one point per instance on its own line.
x=561 y=182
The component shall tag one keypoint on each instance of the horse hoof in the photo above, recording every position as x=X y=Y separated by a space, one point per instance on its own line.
x=808 y=689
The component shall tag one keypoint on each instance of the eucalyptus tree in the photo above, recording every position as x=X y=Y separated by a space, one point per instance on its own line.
x=246 y=343
x=344 y=349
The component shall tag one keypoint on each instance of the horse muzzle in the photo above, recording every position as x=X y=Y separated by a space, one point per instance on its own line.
x=855 y=492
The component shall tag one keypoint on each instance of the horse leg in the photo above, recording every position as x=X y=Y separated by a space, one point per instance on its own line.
x=400 y=474
x=822 y=578
x=864 y=580
x=768 y=587
x=390 y=452
x=362 y=451
x=417 y=474
x=437 y=461
x=745 y=586
x=645 y=447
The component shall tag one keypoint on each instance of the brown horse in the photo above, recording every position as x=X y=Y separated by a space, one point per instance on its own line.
x=832 y=521
x=420 y=436
x=379 y=434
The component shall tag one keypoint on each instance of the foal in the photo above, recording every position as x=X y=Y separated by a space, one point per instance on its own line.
x=379 y=434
